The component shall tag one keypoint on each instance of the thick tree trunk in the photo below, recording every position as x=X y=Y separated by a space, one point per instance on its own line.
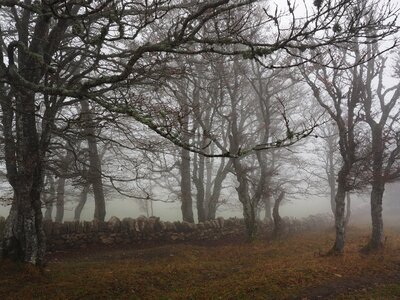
x=82 y=201
x=99 y=200
x=186 y=175
x=23 y=236
x=249 y=209
x=95 y=173
x=60 y=200
x=278 y=223
x=377 y=238
x=378 y=188
x=212 y=202
x=267 y=208
x=340 y=222
x=249 y=214
x=212 y=209
x=186 y=187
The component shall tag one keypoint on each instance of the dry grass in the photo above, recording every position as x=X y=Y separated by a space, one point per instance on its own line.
x=263 y=270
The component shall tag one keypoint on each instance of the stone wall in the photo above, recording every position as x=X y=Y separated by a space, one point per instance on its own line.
x=141 y=230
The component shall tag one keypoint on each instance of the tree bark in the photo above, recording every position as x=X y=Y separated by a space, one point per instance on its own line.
x=267 y=208
x=249 y=207
x=23 y=237
x=82 y=201
x=65 y=163
x=378 y=185
x=60 y=200
x=212 y=201
x=198 y=180
x=249 y=214
x=95 y=172
x=278 y=223
x=377 y=237
x=332 y=178
x=348 y=209
x=186 y=178
x=340 y=223
x=49 y=199
x=186 y=187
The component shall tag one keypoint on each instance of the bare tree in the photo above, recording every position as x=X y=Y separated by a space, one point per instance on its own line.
x=350 y=109
x=114 y=47
x=382 y=114
x=335 y=82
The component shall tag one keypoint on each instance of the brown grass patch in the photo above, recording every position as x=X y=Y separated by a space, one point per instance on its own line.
x=286 y=269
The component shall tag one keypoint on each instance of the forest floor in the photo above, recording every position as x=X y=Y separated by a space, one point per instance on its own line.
x=293 y=268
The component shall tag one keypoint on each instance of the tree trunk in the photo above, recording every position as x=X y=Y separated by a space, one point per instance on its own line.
x=95 y=172
x=198 y=180
x=82 y=201
x=249 y=209
x=331 y=172
x=267 y=207
x=212 y=202
x=378 y=188
x=212 y=208
x=278 y=223
x=49 y=199
x=23 y=236
x=249 y=214
x=186 y=187
x=60 y=200
x=333 y=199
x=340 y=224
x=377 y=238
x=49 y=208
x=186 y=178
x=209 y=184
x=348 y=209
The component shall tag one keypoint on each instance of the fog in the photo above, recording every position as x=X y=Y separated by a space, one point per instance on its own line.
x=300 y=208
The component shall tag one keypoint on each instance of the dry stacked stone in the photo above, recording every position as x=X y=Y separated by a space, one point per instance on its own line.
x=77 y=234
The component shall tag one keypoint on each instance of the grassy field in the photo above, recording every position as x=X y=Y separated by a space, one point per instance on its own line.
x=294 y=268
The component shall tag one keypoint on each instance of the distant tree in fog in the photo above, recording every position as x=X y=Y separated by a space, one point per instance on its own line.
x=353 y=98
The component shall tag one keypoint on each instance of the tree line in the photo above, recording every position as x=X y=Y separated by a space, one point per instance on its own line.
x=224 y=83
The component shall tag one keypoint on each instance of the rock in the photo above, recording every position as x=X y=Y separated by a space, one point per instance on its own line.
x=170 y=226
x=114 y=224
x=186 y=226
x=106 y=240
x=160 y=226
x=141 y=221
x=149 y=225
x=207 y=224
x=125 y=224
x=200 y=226
x=221 y=222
